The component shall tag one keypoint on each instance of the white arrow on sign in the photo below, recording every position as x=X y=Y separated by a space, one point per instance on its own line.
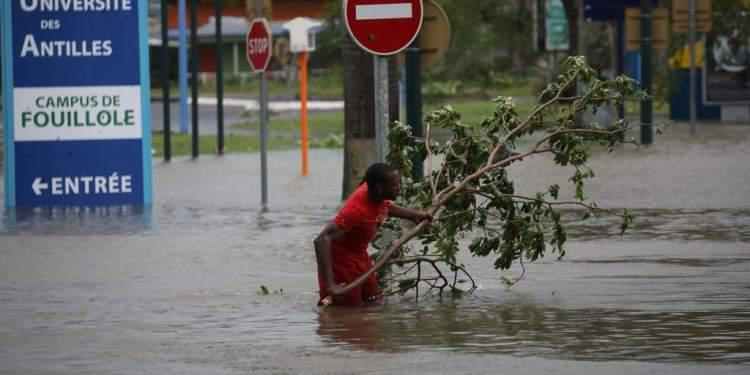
x=38 y=185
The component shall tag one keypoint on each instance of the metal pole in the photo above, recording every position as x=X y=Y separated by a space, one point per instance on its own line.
x=414 y=101
x=621 y=57
x=692 y=66
x=263 y=140
x=646 y=105
x=580 y=51
x=194 y=72
x=182 y=66
x=165 y=80
x=263 y=130
x=219 y=80
x=302 y=60
x=381 y=106
x=534 y=22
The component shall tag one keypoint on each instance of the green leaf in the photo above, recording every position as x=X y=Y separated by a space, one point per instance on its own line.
x=506 y=281
x=554 y=190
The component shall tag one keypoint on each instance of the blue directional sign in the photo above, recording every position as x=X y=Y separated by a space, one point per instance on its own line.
x=76 y=102
x=608 y=10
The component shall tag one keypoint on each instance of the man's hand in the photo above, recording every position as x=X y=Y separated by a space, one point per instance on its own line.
x=408 y=214
x=421 y=216
x=334 y=290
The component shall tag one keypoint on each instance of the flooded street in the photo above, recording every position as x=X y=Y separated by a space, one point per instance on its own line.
x=175 y=288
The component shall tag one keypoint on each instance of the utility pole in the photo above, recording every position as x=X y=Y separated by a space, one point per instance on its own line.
x=414 y=100
x=646 y=73
x=219 y=80
x=691 y=36
x=165 y=80
x=194 y=72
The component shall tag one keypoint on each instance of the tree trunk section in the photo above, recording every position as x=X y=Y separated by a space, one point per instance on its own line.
x=571 y=14
x=359 y=111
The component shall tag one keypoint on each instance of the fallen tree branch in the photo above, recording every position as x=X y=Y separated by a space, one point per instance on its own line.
x=555 y=141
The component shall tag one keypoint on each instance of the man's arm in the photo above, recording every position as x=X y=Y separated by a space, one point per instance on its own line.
x=323 y=254
x=408 y=213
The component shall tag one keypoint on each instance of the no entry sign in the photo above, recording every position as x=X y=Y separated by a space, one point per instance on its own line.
x=259 y=45
x=383 y=27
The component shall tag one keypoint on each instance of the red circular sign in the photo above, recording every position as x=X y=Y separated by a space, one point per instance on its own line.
x=383 y=27
x=258 y=47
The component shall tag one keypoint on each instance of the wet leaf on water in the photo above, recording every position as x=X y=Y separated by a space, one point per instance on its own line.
x=506 y=281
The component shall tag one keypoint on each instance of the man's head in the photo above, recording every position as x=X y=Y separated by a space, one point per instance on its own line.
x=383 y=182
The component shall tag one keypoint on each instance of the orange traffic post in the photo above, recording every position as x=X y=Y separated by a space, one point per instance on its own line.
x=302 y=59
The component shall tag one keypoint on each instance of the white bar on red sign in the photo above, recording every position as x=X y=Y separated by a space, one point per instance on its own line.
x=383 y=11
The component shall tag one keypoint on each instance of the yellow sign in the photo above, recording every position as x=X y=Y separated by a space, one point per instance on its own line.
x=659 y=29
x=681 y=16
x=681 y=57
x=435 y=35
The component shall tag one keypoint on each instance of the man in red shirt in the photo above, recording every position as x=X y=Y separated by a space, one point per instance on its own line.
x=341 y=248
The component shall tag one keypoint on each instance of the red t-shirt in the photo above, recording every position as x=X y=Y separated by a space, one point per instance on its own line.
x=360 y=216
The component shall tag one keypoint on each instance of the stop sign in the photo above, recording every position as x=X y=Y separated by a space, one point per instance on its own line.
x=383 y=27
x=258 y=47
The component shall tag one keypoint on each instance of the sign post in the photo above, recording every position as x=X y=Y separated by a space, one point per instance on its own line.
x=302 y=41
x=258 y=50
x=380 y=74
x=646 y=73
x=76 y=104
x=691 y=39
x=383 y=28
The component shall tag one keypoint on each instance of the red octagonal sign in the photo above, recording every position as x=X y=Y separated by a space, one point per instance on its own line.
x=258 y=48
x=383 y=27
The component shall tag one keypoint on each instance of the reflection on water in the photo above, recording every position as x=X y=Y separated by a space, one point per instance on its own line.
x=685 y=225
x=674 y=289
x=528 y=329
x=133 y=220
x=77 y=221
x=719 y=225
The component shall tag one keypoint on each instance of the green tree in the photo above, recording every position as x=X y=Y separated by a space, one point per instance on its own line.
x=486 y=36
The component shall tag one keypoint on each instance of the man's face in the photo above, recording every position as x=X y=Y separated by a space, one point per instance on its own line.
x=392 y=186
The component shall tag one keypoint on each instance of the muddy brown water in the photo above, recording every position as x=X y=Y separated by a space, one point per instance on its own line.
x=174 y=288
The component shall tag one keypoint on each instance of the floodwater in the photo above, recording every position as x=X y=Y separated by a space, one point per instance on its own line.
x=175 y=288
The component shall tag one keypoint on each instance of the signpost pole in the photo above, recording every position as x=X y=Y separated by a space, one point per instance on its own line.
x=692 y=65
x=219 y=80
x=194 y=72
x=9 y=170
x=383 y=30
x=381 y=106
x=263 y=130
x=182 y=65
x=165 y=80
x=414 y=100
x=302 y=42
x=646 y=73
x=302 y=60
x=257 y=51
x=263 y=141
